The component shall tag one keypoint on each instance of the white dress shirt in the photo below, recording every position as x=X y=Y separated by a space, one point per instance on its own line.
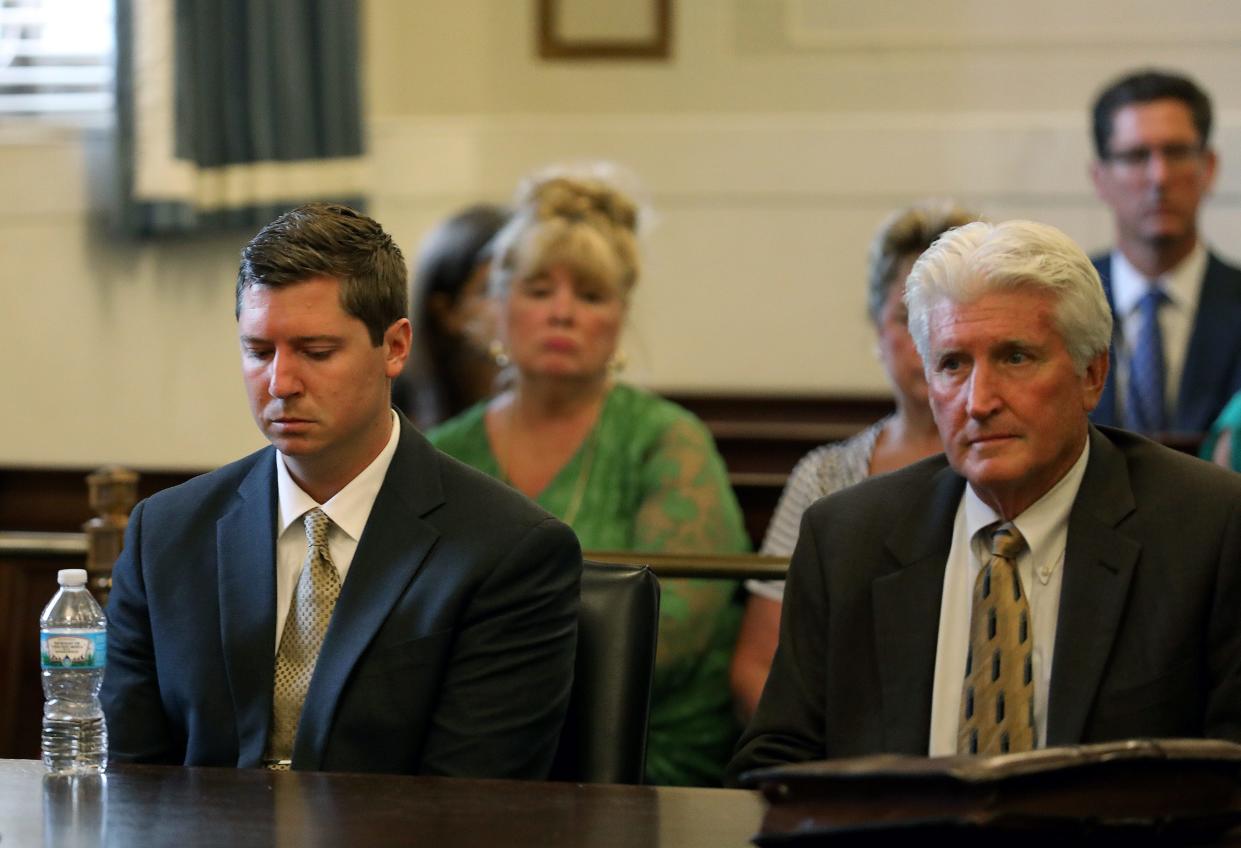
x=1045 y=527
x=349 y=510
x=1182 y=285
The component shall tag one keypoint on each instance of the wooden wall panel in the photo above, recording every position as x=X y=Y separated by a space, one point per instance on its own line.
x=27 y=583
x=55 y=500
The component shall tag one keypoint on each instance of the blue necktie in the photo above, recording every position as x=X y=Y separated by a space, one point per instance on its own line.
x=1146 y=367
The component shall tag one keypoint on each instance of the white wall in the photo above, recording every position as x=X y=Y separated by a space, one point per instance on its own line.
x=770 y=146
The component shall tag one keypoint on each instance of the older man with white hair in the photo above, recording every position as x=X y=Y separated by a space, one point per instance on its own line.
x=1045 y=581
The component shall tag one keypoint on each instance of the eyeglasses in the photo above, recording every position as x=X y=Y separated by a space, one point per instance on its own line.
x=1139 y=158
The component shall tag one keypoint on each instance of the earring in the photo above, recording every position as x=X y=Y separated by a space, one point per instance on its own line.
x=617 y=363
x=498 y=354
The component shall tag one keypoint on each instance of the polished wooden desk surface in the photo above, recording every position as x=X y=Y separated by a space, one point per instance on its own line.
x=188 y=807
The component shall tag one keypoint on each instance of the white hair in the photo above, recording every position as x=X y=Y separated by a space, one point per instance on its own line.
x=966 y=263
x=906 y=232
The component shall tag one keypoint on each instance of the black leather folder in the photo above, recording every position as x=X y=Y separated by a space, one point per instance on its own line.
x=1138 y=792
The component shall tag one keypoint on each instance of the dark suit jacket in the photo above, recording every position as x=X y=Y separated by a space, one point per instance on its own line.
x=450 y=650
x=1212 y=372
x=1148 y=640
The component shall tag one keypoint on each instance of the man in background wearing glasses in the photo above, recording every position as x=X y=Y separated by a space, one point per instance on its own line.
x=1176 y=351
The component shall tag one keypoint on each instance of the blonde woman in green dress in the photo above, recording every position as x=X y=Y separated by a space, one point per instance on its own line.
x=627 y=470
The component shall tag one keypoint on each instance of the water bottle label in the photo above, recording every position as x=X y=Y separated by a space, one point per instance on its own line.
x=77 y=650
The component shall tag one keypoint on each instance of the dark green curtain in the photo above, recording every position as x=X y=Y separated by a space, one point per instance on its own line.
x=231 y=111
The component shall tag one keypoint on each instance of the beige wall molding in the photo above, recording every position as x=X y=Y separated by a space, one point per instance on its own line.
x=970 y=25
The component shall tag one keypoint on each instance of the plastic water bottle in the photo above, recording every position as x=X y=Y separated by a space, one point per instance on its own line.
x=74 y=647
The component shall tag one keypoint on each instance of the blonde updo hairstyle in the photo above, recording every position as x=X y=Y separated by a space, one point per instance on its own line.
x=582 y=222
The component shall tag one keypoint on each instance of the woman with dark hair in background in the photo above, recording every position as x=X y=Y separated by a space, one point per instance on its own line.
x=449 y=367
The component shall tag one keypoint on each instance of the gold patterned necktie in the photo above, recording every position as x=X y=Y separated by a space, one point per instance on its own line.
x=997 y=702
x=313 y=600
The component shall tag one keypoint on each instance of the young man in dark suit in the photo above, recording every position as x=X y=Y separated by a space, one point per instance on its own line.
x=347 y=598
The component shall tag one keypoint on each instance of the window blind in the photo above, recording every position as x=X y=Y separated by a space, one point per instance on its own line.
x=55 y=56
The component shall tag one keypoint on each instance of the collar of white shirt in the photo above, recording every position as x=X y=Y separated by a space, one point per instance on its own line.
x=349 y=508
x=1181 y=284
x=1039 y=524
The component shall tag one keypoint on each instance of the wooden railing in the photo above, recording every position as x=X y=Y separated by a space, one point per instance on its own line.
x=724 y=566
x=17 y=543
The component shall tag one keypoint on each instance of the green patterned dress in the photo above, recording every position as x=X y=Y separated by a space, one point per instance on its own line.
x=648 y=478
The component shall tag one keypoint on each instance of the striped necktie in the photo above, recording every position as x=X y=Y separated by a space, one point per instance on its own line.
x=1144 y=402
x=997 y=701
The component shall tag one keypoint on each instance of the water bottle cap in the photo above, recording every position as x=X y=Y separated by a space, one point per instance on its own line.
x=71 y=577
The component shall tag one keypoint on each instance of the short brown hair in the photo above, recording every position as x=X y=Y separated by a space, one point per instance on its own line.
x=1146 y=86
x=331 y=240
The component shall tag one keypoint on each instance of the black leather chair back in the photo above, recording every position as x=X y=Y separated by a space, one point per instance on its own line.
x=604 y=738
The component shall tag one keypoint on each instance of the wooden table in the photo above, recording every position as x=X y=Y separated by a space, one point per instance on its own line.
x=187 y=807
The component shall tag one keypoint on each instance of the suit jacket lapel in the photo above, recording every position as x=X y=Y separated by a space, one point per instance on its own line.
x=1212 y=352
x=246 y=551
x=1098 y=567
x=392 y=548
x=906 y=610
x=1108 y=412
